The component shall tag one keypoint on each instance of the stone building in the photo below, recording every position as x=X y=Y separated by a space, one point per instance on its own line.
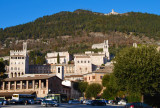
x=61 y=70
x=112 y=13
x=64 y=58
x=38 y=84
x=96 y=76
x=19 y=62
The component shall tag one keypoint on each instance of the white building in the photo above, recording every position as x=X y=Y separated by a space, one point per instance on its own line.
x=83 y=64
x=64 y=57
x=19 y=62
x=112 y=13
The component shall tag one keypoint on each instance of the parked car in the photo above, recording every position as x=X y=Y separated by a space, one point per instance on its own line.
x=4 y=102
x=15 y=102
x=49 y=103
x=122 y=102
x=37 y=101
x=110 y=102
x=74 y=102
x=88 y=102
x=137 y=105
x=30 y=101
x=84 y=101
x=98 y=102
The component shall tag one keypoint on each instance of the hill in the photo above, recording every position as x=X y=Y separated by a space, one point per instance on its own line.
x=78 y=30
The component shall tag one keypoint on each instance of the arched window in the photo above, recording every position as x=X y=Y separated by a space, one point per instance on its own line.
x=15 y=74
x=19 y=74
x=12 y=75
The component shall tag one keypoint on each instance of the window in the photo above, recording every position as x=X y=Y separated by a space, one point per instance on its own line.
x=15 y=68
x=84 y=61
x=101 y=77
x=89 y=78
x=81 y=61
x=11 y=68
x=58 y=70
x=88 y=61
x=77 y=61
x=93 y=77
x=22 y=57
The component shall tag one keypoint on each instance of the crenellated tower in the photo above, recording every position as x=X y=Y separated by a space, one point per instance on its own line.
x=19 y=62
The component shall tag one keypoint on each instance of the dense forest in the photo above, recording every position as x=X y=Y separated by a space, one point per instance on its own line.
x=80 y=21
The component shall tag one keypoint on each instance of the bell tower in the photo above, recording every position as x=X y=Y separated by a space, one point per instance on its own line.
x=105 y=49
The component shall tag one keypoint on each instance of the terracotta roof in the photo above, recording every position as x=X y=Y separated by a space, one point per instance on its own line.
x=28 y=78
x=96 y=73
x=74 y=76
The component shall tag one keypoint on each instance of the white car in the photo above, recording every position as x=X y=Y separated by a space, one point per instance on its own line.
x=122 y=102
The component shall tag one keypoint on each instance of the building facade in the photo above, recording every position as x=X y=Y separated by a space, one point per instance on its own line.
x=64 y=58
x=40 y=84
x=19 y=62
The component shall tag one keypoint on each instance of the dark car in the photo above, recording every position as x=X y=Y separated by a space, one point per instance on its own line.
x=4 y=102
x=74 y=102
x=37 y=101
x=15 y=102
x=137 y=105
x=98 y=102
x=49 y=103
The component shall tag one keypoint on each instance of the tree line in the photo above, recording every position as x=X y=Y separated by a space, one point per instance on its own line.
x=79 y=21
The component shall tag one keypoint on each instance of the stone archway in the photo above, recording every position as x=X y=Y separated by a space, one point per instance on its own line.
x=11 y=74
x=15 y=74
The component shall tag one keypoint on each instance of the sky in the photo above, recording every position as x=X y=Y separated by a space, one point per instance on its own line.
x=15 y=12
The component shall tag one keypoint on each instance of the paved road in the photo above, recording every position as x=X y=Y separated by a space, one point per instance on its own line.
x=61 y=106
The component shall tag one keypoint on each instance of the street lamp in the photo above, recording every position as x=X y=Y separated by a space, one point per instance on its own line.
x=49 y=90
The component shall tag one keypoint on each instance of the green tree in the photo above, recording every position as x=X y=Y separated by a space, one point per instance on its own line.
x=93 y=90
x=58 y=61
x=137 y=70
x=105 y=80
x=83 y=86
x=76 y=86
x=112 y=89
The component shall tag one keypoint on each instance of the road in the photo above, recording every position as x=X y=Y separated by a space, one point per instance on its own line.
x=61 y=106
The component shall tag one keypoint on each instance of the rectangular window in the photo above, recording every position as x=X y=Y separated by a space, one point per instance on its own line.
x=58 y=70
x=93 y=77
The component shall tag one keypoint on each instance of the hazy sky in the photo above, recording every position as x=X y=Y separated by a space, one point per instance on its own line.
x=15 y=12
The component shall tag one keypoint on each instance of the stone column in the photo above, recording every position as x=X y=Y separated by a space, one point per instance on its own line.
x=20 y=85
x=3 y=86
x=39 y=84
x=46 y=83
x=26 y=84
x=33 y=84
x=13 y=74
x=9 y=85
x=15 y=85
